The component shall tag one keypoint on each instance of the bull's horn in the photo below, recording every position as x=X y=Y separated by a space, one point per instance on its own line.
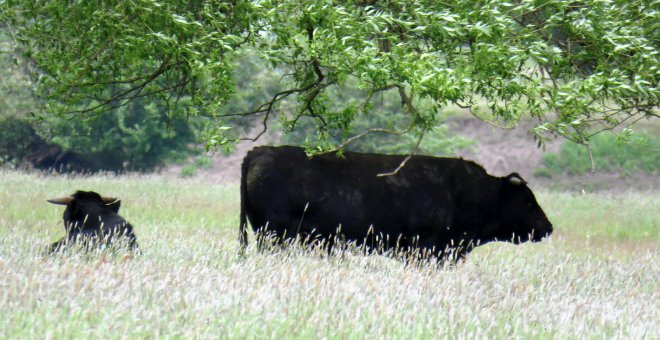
x=107 y=199
x=516 y=180
x=62 y=200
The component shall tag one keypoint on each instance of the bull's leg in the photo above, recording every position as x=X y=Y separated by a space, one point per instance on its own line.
x=269 y=236
x=330 y=244
x=261 y=235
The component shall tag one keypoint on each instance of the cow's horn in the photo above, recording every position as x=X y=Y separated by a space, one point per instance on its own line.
x=108 y=200
x=62 y=200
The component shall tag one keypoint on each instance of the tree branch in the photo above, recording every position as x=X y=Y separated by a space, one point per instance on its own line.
x=124 y=94
x=405 y=160
x=405 y=100
x=350 y=140
x=315 y=88
x=490 y=122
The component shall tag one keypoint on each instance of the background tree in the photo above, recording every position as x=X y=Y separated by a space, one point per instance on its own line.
x=139 y=136
x=576 y=67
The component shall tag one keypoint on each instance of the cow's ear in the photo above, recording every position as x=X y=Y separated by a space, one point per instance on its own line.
x=515 y=179
x=114 y=206
x=62 y=200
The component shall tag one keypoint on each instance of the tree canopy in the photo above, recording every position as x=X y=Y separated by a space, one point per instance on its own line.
x=577 y=67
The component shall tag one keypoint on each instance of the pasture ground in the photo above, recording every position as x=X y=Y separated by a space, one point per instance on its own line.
x=597 y=276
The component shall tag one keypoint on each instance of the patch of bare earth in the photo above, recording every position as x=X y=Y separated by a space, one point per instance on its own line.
x=502 y=151
x=226 y=168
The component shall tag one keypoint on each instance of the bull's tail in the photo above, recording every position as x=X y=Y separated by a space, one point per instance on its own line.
x=242 y=229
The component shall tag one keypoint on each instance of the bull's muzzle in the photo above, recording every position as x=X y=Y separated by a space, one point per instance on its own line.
x=541 y=232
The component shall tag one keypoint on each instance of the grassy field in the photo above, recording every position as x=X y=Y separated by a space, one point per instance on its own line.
x=597 y=276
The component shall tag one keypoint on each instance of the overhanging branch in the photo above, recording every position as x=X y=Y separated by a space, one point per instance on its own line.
x=405 y=160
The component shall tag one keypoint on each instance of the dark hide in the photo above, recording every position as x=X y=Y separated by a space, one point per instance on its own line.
x=92 y=220
x=435 y=206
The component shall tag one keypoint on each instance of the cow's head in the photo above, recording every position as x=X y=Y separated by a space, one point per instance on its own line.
x=522 y=217
x=84 y=208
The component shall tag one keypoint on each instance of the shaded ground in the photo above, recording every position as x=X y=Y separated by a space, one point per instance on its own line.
x=499 y=151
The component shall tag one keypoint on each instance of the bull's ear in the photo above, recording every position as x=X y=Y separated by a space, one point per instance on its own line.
x=62 y=200
x=515 y=179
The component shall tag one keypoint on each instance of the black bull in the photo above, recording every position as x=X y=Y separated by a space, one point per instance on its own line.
x=436 y=206
x=92 y=220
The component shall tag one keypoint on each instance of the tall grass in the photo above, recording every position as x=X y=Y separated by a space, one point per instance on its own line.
x=189 y=280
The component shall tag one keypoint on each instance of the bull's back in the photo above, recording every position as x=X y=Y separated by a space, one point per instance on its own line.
x=285 y=186
x=287 y=172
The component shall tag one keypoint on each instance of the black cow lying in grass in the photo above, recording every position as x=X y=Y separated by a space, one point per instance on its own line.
x=92 y=220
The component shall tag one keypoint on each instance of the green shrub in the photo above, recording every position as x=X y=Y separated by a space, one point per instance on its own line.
x=188 y=170
x=18 y=139
x=136 y=137
x=200 y=162
x=609 y=153
x=204 y=162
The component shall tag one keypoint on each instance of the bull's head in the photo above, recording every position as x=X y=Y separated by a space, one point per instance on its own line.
x=80 y=205
x=523 y=218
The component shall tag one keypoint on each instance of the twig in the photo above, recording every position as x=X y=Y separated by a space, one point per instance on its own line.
x=125 y=94
x=364 y=133
x=405 y=160
x=490 y=121
x=591 y=157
